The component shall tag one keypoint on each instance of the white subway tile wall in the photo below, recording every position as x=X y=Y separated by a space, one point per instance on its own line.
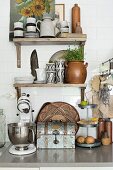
x=97 y=23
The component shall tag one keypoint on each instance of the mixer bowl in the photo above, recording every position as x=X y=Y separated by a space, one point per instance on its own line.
x=22 y=134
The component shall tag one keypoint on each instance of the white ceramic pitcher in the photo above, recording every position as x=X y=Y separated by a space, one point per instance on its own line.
x=47 y=28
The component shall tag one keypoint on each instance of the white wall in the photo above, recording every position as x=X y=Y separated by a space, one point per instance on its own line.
x=97 y=23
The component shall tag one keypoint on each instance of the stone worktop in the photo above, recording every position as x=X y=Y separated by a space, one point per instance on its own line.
x=80 y=157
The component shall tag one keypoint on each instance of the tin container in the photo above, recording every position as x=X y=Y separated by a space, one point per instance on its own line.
x=55 y=135
x=50 y=72
x=59 y=67
x=50 y=77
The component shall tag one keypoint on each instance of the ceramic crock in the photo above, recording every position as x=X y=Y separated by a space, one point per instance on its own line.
x=76 y=72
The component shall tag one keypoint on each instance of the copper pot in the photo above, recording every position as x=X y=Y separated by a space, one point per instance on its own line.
x=75 y=72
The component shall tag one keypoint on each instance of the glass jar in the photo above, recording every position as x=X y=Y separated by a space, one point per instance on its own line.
x=2 y=128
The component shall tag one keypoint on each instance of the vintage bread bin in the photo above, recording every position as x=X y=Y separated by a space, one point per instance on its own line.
x=56 y=135
x=57 y=125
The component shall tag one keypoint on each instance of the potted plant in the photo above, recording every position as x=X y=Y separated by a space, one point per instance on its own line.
x=75 y=72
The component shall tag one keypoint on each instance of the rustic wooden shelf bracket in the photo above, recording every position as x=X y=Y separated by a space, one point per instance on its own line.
x=18 y=50
x=18 y=90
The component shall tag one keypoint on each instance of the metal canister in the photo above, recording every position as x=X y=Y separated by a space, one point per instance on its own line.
x=108 y=129
x=50 y=73
x=59 y=68
x=2 y=128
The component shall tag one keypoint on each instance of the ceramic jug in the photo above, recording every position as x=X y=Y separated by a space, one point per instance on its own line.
x=75 y=17
x=47 y=27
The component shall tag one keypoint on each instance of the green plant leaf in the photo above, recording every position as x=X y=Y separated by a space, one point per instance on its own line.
x=74 y=54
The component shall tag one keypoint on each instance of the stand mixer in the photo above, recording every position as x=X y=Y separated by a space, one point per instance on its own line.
x=22 y=134
x=24 y=108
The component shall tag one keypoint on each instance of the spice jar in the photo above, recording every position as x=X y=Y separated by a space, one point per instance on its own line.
x=2 y=128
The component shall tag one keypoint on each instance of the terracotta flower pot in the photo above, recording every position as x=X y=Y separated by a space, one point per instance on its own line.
x=75 y=72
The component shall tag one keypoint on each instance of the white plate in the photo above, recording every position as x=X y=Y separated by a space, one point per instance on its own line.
x=24 y=81
x=30 y=78
x=59 y=55
x=40 y=82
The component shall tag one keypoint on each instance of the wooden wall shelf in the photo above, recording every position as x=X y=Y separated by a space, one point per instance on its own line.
x=48 y=85
x=78 y=39
x=18 y=87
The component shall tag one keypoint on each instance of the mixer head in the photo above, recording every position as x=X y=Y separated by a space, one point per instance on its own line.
x=24 y=108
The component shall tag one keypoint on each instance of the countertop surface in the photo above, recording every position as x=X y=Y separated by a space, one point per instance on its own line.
x=80 y=157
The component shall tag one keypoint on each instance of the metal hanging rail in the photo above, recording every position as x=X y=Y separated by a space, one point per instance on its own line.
x=108 y=70
x=107 y=61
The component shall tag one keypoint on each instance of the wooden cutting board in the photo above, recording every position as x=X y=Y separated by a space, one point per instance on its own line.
x=58 y=111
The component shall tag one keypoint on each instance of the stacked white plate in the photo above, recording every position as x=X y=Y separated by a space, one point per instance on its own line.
x=31 y=34
x=26 y=79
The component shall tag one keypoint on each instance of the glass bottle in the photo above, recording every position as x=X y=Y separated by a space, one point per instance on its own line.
x=101 y=128
x=2 y=128
x=78 y=29
x=108 y=128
